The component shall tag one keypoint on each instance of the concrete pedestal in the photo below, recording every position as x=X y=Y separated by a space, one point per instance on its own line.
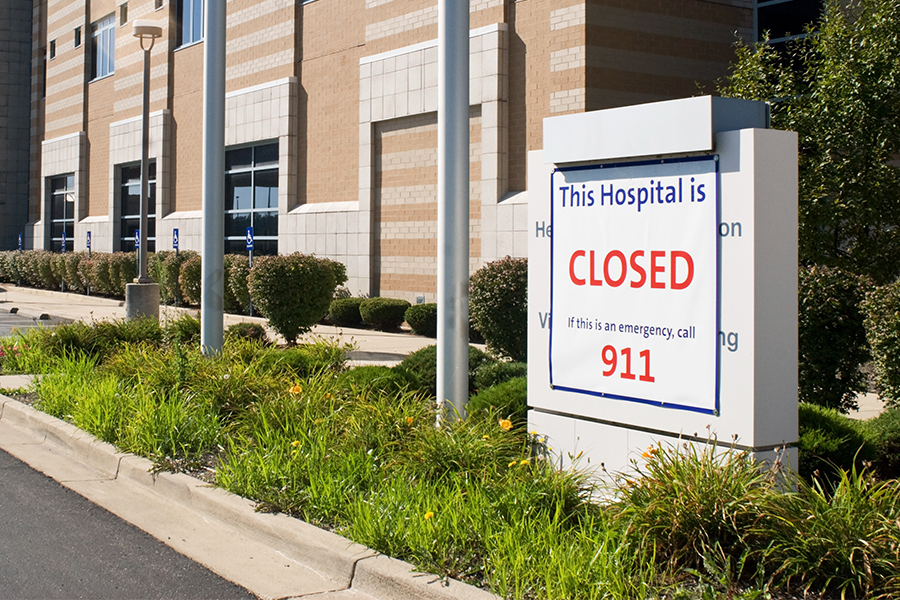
x=141 y=301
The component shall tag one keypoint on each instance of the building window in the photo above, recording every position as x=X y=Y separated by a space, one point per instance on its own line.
x=62 y=212
x=251 y=199
x=786 y=20
x=158 y=4
x=130 y=207
x=52 y=49
x=103 y=47
x=78 y=37
x=190 y=21
x=123 y=14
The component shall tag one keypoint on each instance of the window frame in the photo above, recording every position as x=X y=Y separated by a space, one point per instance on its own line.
x=193 y=23
x=126 y=242
x=269 y=243
x=67 y=219
x=103 y=35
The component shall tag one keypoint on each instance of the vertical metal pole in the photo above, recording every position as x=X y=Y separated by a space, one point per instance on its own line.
x=453 y=207
x=145 y=173
x=213 y=269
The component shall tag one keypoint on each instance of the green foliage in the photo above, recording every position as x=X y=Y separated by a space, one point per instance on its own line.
x=247 y=331
x=378 y=378
x=498 y=304
x=189 y=279
x=182 y=330
x=882 y=322
x=98 y=268
x=508 y=400
x=883 y=434
x=495 y=373
x=422 y=318
x=423 y=363
x=682 y=523
x=344 y=312
x=829 y=441
x=122 y=271
x=237 y=296
x=837 y=88
x=294 y=291
x=832 y=338
x=384 y=314
x=165 y=269
x=844 y=541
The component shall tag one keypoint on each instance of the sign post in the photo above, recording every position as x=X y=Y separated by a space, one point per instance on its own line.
x=662 y=282
x=250 y=252
x=175 y=240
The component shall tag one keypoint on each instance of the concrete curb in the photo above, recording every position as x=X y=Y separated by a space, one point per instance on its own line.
x=331 y=555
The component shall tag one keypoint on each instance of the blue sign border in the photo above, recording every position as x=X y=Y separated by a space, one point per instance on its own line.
x=715 y=160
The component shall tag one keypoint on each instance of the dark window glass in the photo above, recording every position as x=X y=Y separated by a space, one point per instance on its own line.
x=190 y=21
x=130 y=206
x=77 y=37
x=787 y=19
x=251 y=199
x=62 y=212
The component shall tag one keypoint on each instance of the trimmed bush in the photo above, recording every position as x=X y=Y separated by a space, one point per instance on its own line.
x=75 y=280
x=98 y=267
x=122 y=271
x=189 y=280
x=508 y=400
x=238 y=270
x=829 y=441
x=832 y=339
x=496 y=373
x=422 y=318
x=883 y=434
x=344 y=312
x=882 y=322
x=384 y=314
x=498 y=304
x=247 y=331
x=423 y=363
x=294 y=291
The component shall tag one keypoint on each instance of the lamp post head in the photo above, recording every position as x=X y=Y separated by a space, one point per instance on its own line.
x=145 y=29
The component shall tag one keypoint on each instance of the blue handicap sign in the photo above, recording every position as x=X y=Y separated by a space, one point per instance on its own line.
x=20 y=241
x=175 y=239
x=249 y=238
x=64 y=240
x=137 y=238
x=88 y=240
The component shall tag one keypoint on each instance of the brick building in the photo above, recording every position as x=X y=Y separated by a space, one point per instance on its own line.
x=331 y=125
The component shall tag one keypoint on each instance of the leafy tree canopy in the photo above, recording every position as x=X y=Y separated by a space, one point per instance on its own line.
x=839 y=89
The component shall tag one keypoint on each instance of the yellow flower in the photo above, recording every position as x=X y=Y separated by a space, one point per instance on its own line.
x=295 y=443
x=487 y=437
x=293 y=452
x=328 y=395
x=296 y=390
x=512 y=464
x=409 y=420
x=505 y=424
x=534 y=433
x=524 y=462
x=428 y=515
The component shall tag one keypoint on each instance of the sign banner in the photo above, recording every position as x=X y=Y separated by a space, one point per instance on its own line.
x=634 y=282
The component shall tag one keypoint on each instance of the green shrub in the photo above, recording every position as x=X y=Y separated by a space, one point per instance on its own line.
x=344 y=312
x=98 y=267
x=384 y=314
x=189 y=280
x=883 y=434
x=165 y=269
x=422 y=318
x=831 y=336
x=498 y=304
x=294 y=291
x=9 y=266
x=497 y=372
x=882 y=321
x=183 y=330
x=122 y=271
x=74 y=273
x=58 y=267
x=378 y=379
x=829 y=441
x=508 y=399
x=238 y=269
x=247 y=331
x=423 y=363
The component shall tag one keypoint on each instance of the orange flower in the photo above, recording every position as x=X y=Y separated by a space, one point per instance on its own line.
x=650 y=452
x=409 y=420
x=428 y=515
x=296 y=390
x=505 y=424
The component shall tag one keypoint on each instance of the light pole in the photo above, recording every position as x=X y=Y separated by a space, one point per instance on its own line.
x=142 y=296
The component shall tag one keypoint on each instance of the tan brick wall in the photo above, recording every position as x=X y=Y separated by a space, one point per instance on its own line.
x=329 y=101
x=100 y=98
x=405 y=211
x=187 y=128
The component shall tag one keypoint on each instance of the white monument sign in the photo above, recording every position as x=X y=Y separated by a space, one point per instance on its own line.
x=662 y=281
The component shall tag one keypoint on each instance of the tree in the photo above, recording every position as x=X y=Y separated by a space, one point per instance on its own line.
x=839 y=89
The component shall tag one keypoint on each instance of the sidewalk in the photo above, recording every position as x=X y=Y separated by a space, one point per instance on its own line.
x=372 y=347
